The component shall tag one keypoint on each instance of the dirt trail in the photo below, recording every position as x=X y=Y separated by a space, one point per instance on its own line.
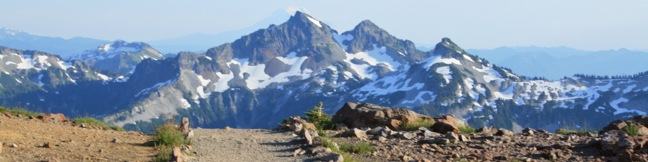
x=253 y=145
x=68 y=143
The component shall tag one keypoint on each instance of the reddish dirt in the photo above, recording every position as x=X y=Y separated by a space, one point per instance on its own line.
x=36 y=140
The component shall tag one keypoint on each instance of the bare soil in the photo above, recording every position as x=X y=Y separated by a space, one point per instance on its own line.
x=35 y=140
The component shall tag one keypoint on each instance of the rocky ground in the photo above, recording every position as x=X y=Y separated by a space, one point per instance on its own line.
x=25 y=139
x=226 y=145
x=384 y=134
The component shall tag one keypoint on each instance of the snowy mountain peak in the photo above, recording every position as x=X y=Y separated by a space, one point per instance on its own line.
x=119 y=57
x=122 y=46
x=303 y=18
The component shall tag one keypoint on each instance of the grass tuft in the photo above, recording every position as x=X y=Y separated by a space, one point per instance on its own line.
x=18 y=111
x=632 y=129
x=411 y=126
x=565 y=131
x=92 y=122
x=357 y=148
x=467 y=130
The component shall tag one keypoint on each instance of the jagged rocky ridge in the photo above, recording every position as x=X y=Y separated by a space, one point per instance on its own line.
x=282 y=70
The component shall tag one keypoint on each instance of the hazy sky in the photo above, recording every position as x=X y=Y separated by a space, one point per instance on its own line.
x=584 y=24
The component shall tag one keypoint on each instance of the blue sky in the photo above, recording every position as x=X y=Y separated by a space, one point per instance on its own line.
x=583 y=24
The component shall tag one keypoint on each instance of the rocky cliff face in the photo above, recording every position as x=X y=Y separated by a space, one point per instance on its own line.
x=284 y=69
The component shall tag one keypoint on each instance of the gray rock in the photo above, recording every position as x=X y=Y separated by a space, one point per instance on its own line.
x=452 y=136
x=528 y=131
x=503 y=132
x=298 y=152
x=441 y=141
x=407 y=135
x=357 y=133
x=376 y=131
x=333 y=157
x=317 y=150
x=308 y=137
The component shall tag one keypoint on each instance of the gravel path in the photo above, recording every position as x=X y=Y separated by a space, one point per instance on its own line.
x=243 y=145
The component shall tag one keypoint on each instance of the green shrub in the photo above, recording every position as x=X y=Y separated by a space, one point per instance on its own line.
x=632 y=129
x=358 y=148
x=169 y=135
x=466 y=130
x=319 y=118
x=92 y=122
x=411 y=126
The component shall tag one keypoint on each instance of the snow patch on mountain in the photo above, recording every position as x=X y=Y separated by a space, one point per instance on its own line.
x=314 y=21
x=361 y=62
x=439 y=59
x=445 y=72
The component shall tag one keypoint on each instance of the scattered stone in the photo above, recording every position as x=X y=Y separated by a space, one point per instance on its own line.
x=115 y=140
x=407 y=135
x=463 y=138
x=441 y=141
x=14 y=145
x=83 y=125
x=382 y=139
x=453 y=137
x=298 y=152
x=357 y=133
x=428 y=134
x=406 y=158
x=503 y=132
x=487 y=131
x=55 y=118
x=46 y=145
x=333 y=157
x=528 y=131
x=317 y=150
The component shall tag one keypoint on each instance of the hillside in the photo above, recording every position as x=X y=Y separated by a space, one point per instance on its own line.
x=25 y=139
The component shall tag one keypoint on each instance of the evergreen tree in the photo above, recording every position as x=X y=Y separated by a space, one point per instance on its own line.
x=318 y=117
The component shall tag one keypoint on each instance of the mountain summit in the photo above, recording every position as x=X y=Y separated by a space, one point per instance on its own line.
x=278 y=71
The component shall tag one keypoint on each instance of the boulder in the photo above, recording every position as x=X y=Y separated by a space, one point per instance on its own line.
x=308 y=136
x=369 y=115
x=447 y=123
x=184 y=126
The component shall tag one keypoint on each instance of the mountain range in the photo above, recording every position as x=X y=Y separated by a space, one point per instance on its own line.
x=557 y=62
x=282 y=70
